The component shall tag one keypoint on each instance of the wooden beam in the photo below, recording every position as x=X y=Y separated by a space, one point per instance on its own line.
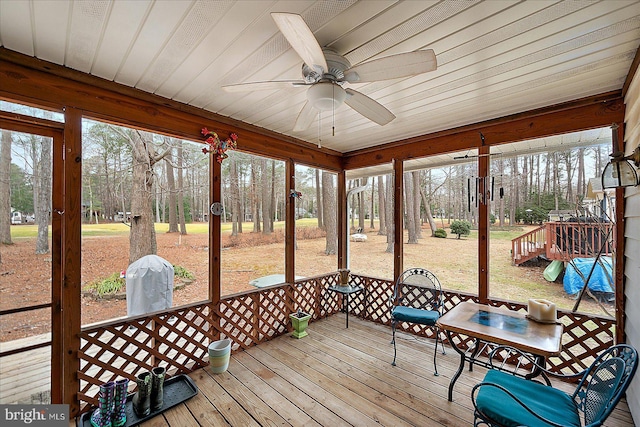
x=619 y=262
x=57 y=269
x=343 y=223
x=215 y=242
x=41 y=83
x=398 y=218
x=483 y=222
x=587 y=113
x=71 y=258
x=290 y=223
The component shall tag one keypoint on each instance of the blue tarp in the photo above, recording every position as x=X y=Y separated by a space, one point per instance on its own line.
x=600 y=279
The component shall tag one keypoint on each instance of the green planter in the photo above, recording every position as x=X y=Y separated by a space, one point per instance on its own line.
x=300 y=321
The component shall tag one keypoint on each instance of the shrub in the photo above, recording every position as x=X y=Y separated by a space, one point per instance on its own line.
x=110 y=285
x=441 y=233
x=182 y=273
x=461 y=228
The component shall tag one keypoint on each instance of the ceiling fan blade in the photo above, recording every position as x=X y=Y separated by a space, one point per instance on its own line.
x=275 y=84
x=393 y=67
x=305 y=117
x=301 y=39
x=368 y=107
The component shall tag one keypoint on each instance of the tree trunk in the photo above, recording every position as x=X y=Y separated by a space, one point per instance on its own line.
x=390 y=226
x=319 y=200
x=409 y=209
x=267 y=221
x=5 y=188
x=171 y=184
x=372 y=224
x=513 y=191
x=181 y=218
x=361 y=205
x=330 y=213
x=432 y=223
x=416 y=203
x=44 y=196
x=381 y=208
x=582 y=181
x=501 y=199
x=235 y=195
x=142 y=238
x=254 y=196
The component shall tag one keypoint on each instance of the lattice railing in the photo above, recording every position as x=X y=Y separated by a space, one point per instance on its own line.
x=585 y=335
x=178 y=339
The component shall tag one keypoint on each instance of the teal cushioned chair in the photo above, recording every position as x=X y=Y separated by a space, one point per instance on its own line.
x=417 y=299
x=502 y=399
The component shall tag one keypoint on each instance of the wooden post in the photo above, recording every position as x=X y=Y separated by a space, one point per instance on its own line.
x=483 y=222
x=398 y=218
x=618 y=145
x=290 y=236
x=342 y=223
x=290 y=222
x=71 y=257
x=215 y=246
x=57 y=273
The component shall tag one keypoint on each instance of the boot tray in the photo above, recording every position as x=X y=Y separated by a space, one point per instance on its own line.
x=177 y=389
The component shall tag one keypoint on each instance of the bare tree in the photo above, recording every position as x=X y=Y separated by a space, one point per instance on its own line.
x=381 y=207
x=409 y=209
x=372 y=224
x=182 y=220
x=235 y=196
x=416 y=203
x=330 y=212
x=142 y=238
x=43 y=189
x=171 y=184
x=319 y=200
x=390 y=223
x=5 y=188
x=267 y=215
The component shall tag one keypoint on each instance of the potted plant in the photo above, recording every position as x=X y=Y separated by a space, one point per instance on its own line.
x=300 y=321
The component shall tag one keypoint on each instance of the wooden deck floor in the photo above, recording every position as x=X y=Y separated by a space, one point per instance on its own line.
x=336 y=377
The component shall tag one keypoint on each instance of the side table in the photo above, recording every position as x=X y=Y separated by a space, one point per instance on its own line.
x=346 y=291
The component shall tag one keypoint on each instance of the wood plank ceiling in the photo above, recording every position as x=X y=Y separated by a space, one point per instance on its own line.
x=495 y=58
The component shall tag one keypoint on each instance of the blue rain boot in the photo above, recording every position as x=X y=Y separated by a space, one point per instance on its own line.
x=101 y=417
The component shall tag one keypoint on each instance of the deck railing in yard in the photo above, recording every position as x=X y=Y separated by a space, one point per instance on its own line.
x=563 y=241
x=178 y=338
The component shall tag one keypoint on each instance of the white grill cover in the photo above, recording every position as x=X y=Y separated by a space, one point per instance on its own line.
x=149 y=285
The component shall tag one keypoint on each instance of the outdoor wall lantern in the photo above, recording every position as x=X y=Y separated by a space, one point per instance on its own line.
x=619 y=172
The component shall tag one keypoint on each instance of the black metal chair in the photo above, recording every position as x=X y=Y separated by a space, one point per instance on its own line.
x=503 y=399
x=417 y=298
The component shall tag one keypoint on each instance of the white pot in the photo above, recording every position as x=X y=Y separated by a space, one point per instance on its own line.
x=219 y=354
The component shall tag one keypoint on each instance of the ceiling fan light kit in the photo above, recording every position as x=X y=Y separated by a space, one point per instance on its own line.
x=326 y=96
x=325 y=71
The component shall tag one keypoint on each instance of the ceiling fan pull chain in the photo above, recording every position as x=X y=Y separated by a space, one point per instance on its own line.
x=333 y=111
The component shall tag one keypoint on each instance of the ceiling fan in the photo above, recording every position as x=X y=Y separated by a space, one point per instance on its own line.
x=325 y=72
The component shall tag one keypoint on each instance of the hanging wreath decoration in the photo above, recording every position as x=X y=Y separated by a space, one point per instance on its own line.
x=217 y=146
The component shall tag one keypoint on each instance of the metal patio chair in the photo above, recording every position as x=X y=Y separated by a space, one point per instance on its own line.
x=503 y=399
x=417 y=299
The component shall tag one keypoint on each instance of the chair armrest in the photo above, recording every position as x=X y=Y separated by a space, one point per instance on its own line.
x=521 y=355
x=511 y=396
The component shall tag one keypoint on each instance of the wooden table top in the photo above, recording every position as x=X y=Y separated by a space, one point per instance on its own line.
x=503 y=326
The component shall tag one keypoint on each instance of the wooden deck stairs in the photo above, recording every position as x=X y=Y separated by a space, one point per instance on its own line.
x=563 y=241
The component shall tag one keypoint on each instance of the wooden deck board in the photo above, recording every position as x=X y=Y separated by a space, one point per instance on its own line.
x=343 y=377
x=337 y=377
